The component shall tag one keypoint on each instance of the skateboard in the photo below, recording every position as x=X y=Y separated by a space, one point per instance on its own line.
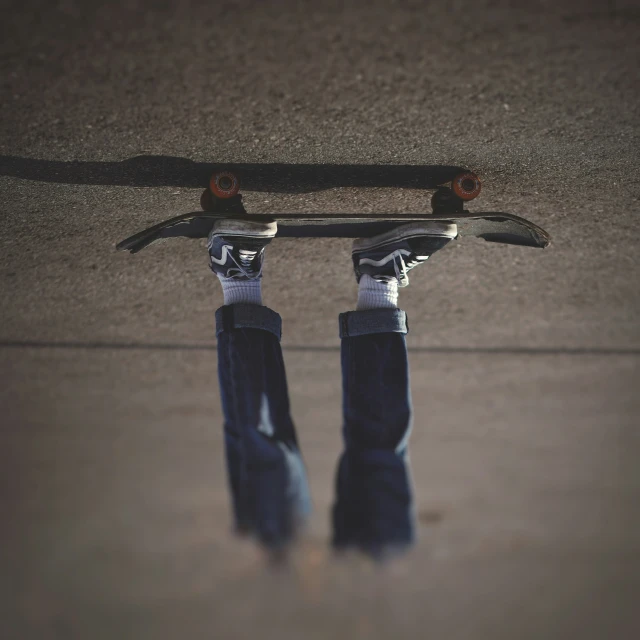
x=222 y=199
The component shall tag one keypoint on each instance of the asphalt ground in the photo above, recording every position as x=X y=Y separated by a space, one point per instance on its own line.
x=524 y=362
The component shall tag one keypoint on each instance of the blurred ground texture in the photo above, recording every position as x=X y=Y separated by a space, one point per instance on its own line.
x=115 y=518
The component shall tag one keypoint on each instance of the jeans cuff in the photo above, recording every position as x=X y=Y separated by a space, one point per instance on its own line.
x=360 y=323
x=248 y=316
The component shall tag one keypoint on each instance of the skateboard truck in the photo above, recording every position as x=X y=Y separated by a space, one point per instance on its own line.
x=221 y=196
x=445 y=201
x=464 y=187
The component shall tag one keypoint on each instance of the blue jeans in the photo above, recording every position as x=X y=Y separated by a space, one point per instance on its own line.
x=267 y=478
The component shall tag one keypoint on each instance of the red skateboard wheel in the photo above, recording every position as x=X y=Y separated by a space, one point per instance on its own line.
x=466 y=186
x=224 y=184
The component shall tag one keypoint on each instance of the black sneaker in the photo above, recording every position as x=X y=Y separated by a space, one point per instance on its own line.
x=236 y=247
x=389 y=256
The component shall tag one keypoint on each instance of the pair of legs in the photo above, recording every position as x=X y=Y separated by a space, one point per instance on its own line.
x=267 y=477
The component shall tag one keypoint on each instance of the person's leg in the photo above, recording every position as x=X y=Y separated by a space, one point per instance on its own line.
x=267 y=477
x=373 y=501
x=373 y=508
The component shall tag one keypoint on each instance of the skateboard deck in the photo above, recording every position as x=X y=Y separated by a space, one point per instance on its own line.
x=494 y=227
x=221 y=200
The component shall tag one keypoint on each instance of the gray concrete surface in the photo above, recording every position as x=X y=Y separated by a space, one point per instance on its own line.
x=524 y=362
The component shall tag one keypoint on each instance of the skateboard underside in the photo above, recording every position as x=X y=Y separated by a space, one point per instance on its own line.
x=502 y=228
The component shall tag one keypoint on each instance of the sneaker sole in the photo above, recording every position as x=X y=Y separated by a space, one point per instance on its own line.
x=245 y=228
x=405 y=232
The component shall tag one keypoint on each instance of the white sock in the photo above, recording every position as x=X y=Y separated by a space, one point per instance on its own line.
x=377 y=295
x=241 y=291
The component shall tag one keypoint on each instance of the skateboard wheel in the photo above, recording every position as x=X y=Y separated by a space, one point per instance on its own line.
x=224 y=184
x=206 y=201
x=466 y=186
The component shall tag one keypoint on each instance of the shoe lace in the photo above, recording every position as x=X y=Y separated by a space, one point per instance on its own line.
x=401 y=267
x=243 y=268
